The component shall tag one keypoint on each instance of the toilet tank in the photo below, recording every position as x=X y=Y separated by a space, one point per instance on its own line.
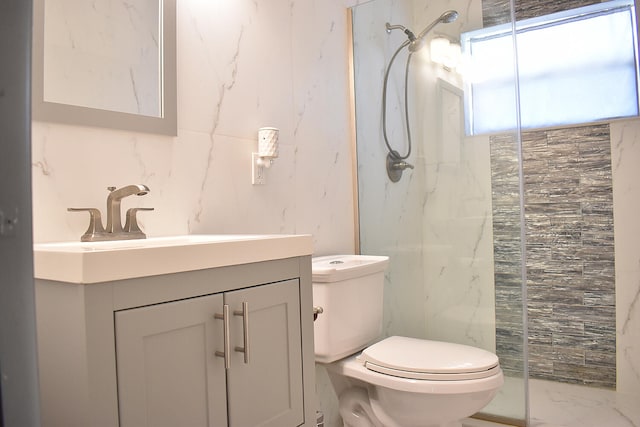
x=349 y=288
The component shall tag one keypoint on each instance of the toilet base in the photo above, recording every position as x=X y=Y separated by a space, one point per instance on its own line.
x=356 y=410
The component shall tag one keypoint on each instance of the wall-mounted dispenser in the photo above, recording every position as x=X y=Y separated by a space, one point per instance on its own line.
x=267 y=152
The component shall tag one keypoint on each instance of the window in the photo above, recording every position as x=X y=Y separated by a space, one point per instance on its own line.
x=574 y=66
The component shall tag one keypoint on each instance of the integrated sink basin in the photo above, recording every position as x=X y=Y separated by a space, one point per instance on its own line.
x=94 y=262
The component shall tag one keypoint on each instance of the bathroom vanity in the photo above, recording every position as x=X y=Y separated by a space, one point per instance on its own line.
x=189 y=331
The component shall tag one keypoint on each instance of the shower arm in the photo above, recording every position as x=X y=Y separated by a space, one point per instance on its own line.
x=408 y=32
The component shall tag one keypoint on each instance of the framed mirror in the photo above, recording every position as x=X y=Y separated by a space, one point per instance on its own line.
x=106 y=64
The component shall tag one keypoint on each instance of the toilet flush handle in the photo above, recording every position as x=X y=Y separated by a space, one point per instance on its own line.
x=317 y=310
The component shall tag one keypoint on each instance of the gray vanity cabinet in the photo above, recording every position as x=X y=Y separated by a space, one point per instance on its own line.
x=149 y=351
x=169 y=373
x=267 y=389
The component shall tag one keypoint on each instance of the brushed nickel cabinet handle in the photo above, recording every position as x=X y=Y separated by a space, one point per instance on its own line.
x=245 y=330
x=225 y=327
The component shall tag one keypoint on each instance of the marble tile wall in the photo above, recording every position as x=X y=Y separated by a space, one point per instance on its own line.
x=103 y=54
x=625 y=152
x=390 y=213
x=570 y=253
x=241 y=65
x=436 y=219
x=457 y=256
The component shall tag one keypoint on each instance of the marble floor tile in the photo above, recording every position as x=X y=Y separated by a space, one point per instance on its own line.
x=566 y=405
x=554 y=404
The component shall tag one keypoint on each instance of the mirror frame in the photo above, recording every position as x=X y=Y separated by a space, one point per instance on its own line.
x=166 y=124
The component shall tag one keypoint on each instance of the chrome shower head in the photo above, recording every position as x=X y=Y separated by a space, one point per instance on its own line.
x=449 y=16
x=446 y=18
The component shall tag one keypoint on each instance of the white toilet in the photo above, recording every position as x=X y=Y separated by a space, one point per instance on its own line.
x=399 y=381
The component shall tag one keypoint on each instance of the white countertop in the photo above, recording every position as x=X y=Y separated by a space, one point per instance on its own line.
x=94 y=262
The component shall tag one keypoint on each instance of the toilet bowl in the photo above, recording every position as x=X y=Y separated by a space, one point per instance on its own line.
x=411 y=382
x=396 y=381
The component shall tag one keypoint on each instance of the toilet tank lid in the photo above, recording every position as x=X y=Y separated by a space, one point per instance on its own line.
x=335 y=268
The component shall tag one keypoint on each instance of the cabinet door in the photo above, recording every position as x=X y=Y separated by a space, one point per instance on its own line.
x=168 y=374
x=267 y=389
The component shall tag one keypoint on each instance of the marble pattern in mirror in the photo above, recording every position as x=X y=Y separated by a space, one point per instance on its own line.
x=106 y=63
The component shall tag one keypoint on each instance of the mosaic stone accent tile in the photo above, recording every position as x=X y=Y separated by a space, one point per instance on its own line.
x=507 y=253
x=495 y=12
x=570 y=253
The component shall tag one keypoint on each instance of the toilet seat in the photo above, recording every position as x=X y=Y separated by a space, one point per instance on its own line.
x=419 y=359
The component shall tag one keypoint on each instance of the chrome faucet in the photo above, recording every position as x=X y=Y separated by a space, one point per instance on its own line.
x=114 y=229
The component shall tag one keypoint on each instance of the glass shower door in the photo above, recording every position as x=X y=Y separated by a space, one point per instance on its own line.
x=452 y=225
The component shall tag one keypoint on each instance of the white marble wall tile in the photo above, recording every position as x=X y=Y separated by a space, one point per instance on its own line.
x=322 y=156
x=625 y=152
x=228 y=203
x=390 y=213
x=73 y=166
x=459 y=248
x=628 y=327
x=210 y=39
x=236 y=70
x=103 y=54
x=352 y=3
x=437 y=218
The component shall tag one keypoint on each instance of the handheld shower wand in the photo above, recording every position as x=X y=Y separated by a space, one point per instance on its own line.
x=446 y=18
x=396 y=163
x=417 y=42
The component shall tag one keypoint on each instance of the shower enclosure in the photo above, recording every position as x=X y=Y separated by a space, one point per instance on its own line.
x=436 y=222
x=499 y=228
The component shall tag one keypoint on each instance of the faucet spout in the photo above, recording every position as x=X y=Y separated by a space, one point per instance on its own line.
x=114 y=218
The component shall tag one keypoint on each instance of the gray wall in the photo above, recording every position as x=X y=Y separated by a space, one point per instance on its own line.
x=17 y=319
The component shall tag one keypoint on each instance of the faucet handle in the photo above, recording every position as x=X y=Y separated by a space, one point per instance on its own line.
x=95 y=223
x=131 y=223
